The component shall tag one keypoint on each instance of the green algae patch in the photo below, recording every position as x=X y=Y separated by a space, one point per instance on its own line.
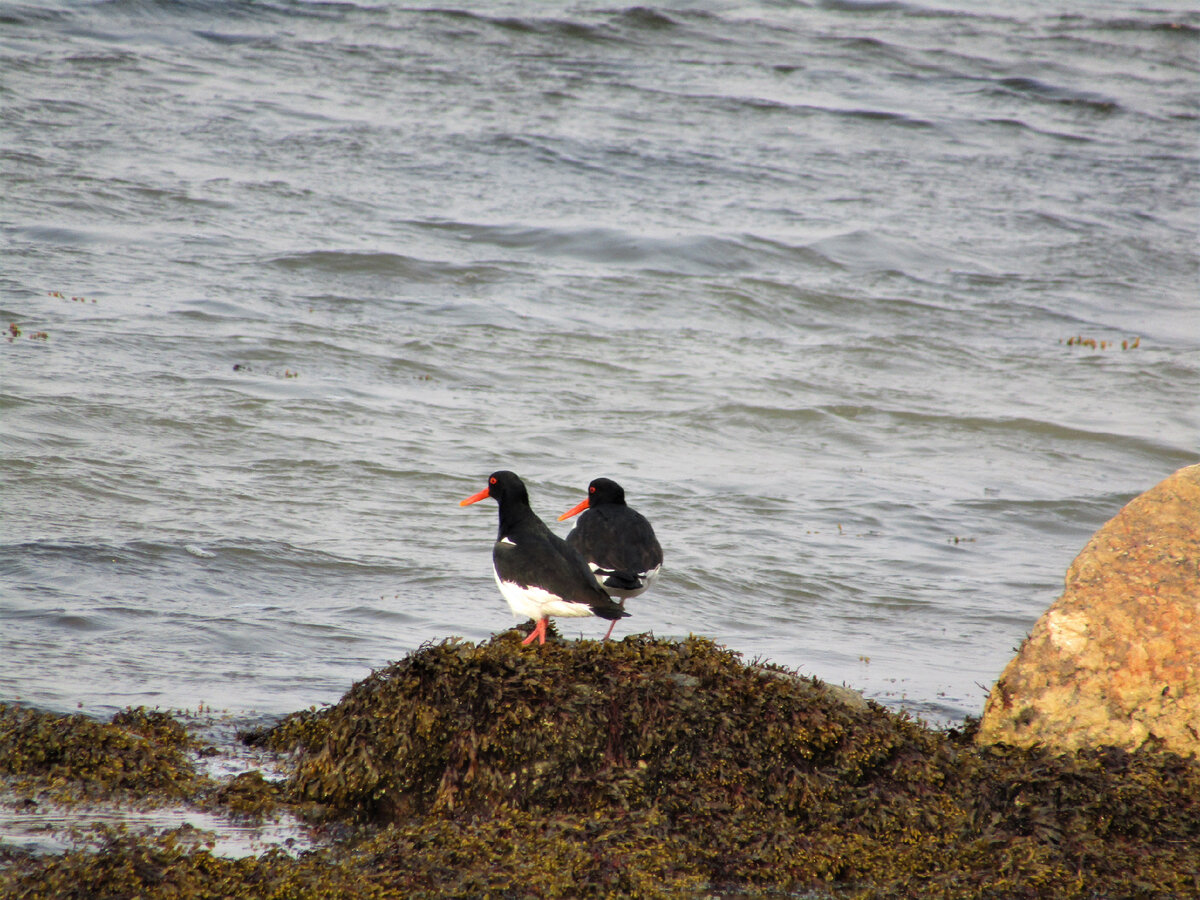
x=74 y=758
x=653 y=768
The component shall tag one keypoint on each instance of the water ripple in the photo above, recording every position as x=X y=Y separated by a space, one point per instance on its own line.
x=284 y=284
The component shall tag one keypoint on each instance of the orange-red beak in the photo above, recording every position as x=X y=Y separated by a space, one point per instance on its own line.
x=574 y=511
x=475 y=498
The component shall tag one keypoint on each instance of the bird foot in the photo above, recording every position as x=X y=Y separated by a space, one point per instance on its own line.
x=539 y=632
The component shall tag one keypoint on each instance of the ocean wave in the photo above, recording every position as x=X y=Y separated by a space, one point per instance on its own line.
x=394 y=265
x=1032 y=87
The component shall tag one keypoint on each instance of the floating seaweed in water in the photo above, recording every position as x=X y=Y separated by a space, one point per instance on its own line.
x=14 y=332
x=1094 y=344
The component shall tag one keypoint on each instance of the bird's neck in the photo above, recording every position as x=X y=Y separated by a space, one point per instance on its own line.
x=512 y=515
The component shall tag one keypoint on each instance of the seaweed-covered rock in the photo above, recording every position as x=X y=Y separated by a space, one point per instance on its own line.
x=154 y=724
x=166 y=868
x=248 y=795
x=77 y=757
x=1116 y=659
x=492 y=767
x=654 y=769
x=587 y=726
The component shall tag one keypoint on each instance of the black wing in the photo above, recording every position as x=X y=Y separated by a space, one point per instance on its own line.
x=540 y=558
x=619 y=540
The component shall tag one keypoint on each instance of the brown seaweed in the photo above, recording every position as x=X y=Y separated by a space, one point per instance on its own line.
x=654 y=768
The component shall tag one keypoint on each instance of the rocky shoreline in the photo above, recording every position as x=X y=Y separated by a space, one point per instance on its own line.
x=639 y=768
x=652 y=768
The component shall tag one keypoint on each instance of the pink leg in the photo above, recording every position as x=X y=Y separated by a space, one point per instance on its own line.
x=613 y=623
x=539 y=631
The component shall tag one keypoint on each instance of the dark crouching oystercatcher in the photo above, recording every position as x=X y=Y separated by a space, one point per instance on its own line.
x=538 y=573
x=616 y=541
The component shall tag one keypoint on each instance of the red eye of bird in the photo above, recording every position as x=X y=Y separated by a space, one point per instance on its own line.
x=491 y=481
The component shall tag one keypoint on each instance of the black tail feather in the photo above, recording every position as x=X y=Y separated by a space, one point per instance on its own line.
x=621 y=581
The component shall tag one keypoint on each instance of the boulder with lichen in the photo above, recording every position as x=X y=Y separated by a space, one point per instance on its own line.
x=1116 y=659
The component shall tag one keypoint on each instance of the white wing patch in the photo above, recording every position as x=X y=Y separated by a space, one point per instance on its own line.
x=535 y=602
x=647 y=579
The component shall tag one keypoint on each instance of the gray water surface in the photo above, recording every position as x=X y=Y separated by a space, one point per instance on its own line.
x=802 y=277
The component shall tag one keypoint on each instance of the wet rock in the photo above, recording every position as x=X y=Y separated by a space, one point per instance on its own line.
x=1116 y=659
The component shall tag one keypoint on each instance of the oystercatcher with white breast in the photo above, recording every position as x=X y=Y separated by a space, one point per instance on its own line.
x=616 y=541
x=539 y=574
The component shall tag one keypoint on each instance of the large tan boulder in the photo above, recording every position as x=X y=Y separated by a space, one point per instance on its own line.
x=1116 y=659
